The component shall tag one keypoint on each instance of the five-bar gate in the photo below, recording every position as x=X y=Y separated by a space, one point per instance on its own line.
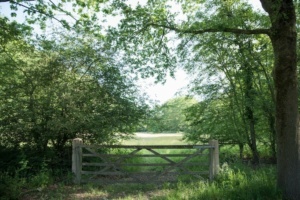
x=143 y=163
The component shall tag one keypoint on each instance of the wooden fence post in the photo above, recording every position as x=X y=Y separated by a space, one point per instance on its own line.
x=214 y=159
x=77 y=159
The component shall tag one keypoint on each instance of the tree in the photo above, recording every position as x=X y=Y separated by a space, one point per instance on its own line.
x=256 y=92
x=284 y=41
x=53 y=92
x=237 y=100
x=170 y=117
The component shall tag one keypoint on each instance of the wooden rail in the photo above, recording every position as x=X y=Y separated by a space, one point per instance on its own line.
x=107 y=164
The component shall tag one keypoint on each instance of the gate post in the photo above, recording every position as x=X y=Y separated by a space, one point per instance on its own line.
x=77 y=159
x=214 y=159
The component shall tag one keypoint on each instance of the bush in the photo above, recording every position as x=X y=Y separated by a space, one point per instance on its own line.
x=10 y=186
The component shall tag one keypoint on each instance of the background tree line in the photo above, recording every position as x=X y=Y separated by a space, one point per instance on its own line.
x=169 y=117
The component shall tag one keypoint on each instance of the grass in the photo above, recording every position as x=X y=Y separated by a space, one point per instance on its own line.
x=163 y=139
x=156 y=139
x=235 y=181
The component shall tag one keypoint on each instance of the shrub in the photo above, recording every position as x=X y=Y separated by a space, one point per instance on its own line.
x=10 y=186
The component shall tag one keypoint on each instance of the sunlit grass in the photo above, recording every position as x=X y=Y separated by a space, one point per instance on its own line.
x=230 y=184
x=156 y=139
x=161 y=139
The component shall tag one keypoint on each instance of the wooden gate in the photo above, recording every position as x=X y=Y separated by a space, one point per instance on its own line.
x=143 y=163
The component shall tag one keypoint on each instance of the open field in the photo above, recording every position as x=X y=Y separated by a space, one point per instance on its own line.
x=155 y=139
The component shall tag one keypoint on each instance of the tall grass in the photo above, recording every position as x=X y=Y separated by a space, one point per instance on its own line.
x=235 y=182
x=231 y=184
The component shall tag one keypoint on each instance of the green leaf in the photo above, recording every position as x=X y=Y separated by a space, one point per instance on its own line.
x=13 y=14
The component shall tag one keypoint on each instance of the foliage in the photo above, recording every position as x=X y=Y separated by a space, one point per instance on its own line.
x=52 y=90
x=170 y=117
x=238 y=92
x=212 y=119
x=232 y=184
x=12 y=30
x=10 y=187
x=56 y=92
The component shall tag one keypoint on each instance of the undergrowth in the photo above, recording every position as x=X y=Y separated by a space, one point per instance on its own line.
x=236 y=180
x=233 y=184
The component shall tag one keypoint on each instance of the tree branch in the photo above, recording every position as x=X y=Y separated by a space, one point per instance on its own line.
x=41 y=12
x=214 y=30
x=36 y=10
x=1 y=1
x=67 y=13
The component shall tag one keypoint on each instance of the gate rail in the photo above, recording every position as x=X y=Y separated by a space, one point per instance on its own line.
x=91 y=163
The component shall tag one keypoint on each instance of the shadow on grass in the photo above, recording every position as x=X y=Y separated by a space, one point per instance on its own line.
x=241 y=183
x=93 y=192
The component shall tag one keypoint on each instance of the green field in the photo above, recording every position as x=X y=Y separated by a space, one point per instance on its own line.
x=155 y=139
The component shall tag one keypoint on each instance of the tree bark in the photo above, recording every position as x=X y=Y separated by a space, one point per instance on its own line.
x=283 y=36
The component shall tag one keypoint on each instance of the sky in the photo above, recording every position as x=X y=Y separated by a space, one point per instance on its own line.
x=159 y=93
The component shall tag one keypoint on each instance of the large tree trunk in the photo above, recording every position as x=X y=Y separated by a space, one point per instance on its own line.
x=283 y=37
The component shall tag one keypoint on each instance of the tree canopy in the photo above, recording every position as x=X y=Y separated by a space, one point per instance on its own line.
x=55 y=90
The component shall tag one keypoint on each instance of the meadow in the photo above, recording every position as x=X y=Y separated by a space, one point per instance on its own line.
x=155 y=139
x=236 y=180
